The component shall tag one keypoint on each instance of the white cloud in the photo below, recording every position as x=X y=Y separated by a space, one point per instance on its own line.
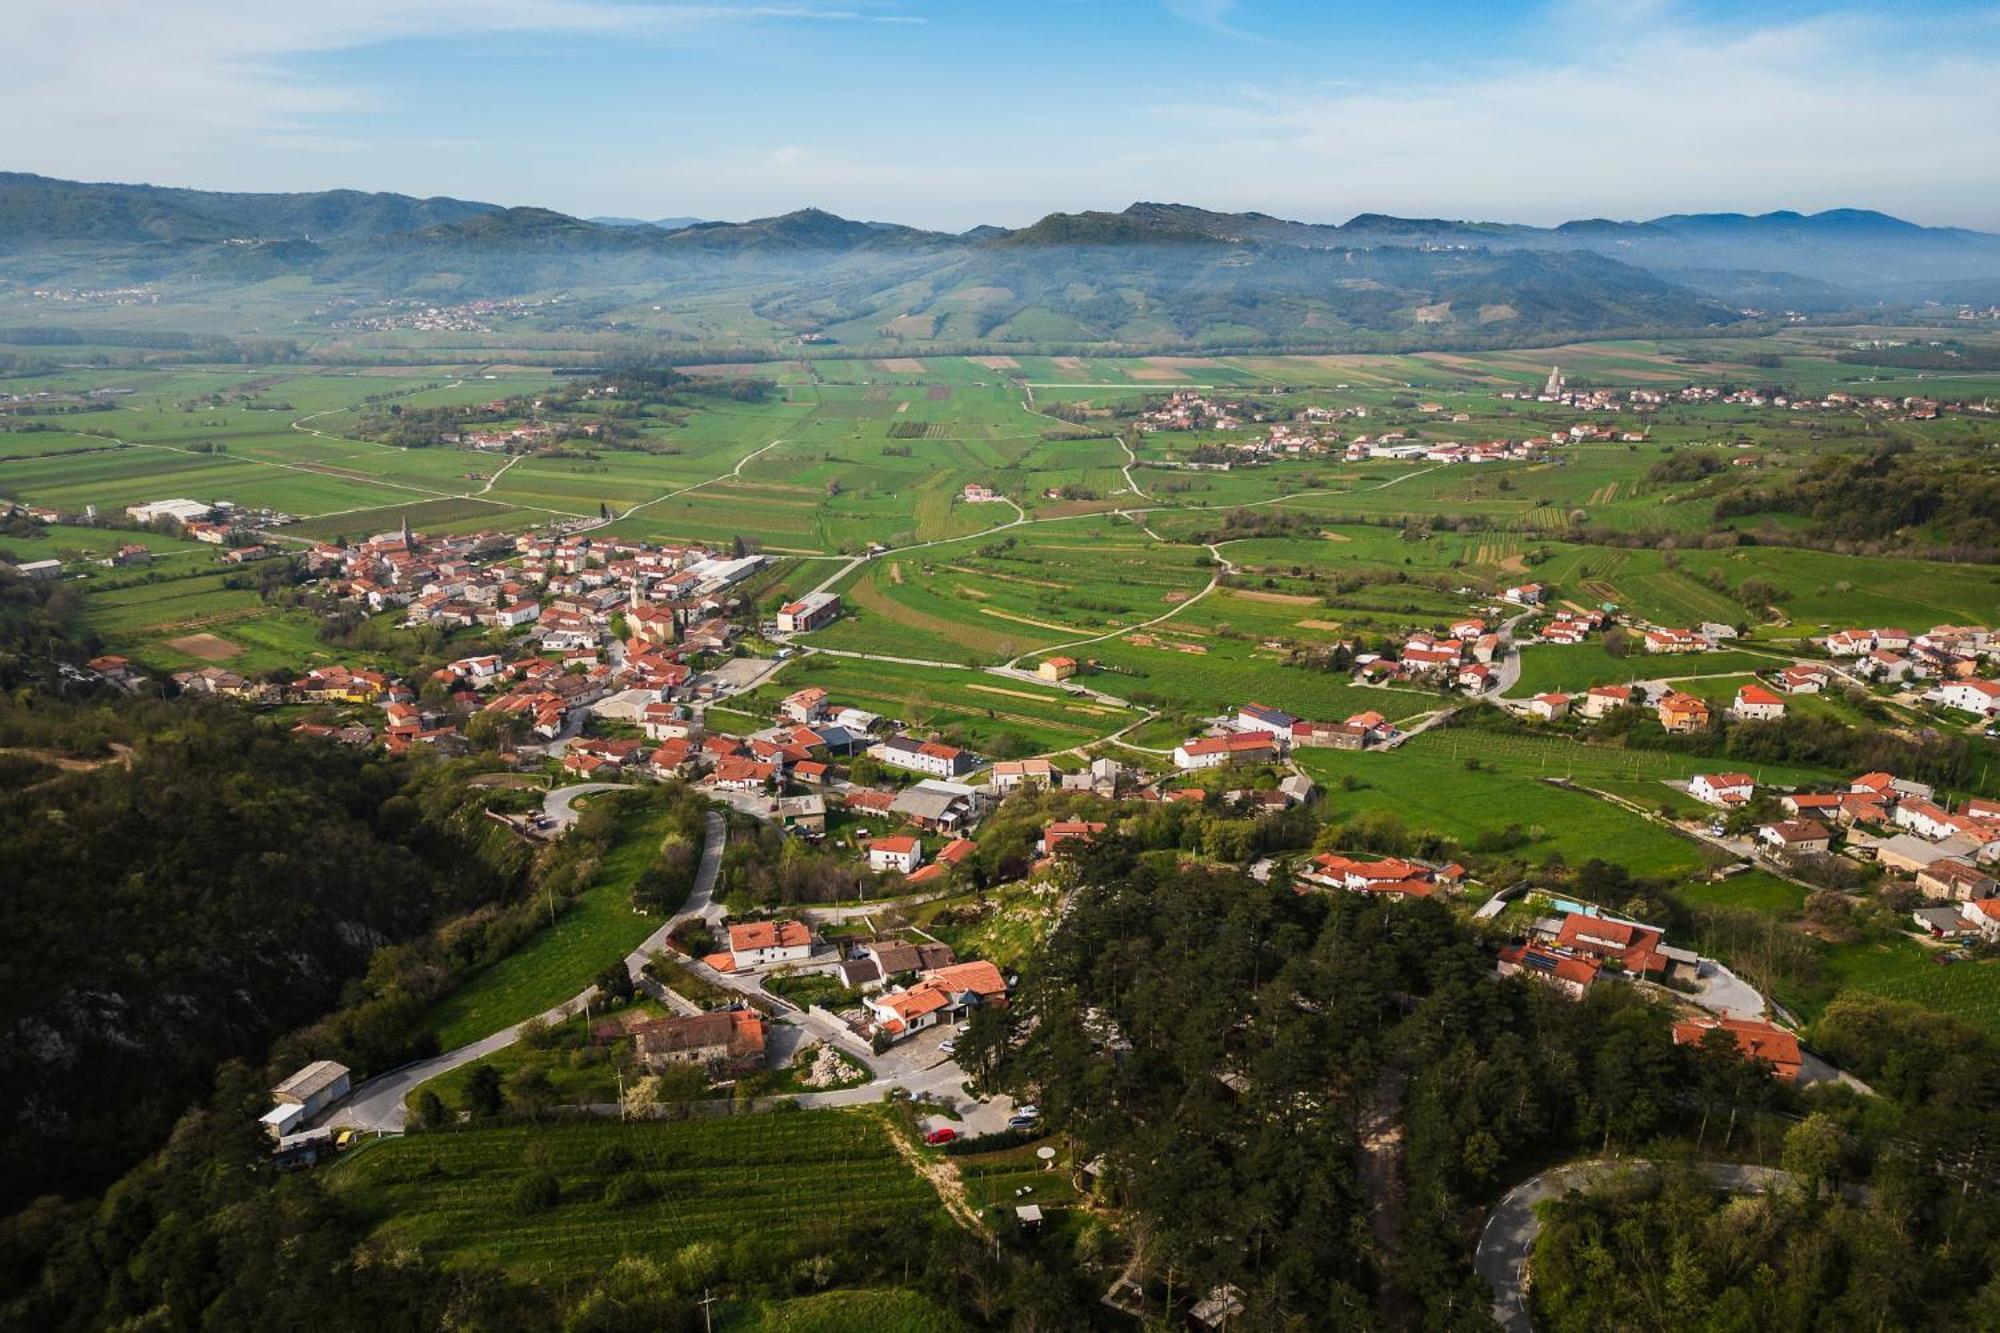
x=146 y=89
x=1639 y=114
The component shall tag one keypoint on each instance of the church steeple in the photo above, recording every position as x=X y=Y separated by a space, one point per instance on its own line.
x=409 y=538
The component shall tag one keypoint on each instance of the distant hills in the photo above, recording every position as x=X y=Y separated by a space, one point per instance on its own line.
x=1155 y=275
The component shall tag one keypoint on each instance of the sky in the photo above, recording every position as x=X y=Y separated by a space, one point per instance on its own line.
x=952 y=113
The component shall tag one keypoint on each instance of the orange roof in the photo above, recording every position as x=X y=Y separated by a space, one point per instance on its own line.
x=768 y=935
x=1757 y=694
x=1755 y=1039
x=936 y=870
x=900 y=845
x=978 y=975
x=956 y=850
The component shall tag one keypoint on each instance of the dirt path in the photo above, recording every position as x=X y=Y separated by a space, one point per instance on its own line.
x=68 y=764
x=943 y=1178
x=1380 y=1167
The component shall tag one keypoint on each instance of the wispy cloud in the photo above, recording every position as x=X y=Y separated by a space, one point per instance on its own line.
x=1644 y=111
x=1215 y=15
x=142 y=82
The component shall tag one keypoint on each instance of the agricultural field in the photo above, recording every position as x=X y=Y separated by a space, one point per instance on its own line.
x=799 y=1178
x=558 y=961
x=1901 y=969
x=990 y=713
x=1572 y=668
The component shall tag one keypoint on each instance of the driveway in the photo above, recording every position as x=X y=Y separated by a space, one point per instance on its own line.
x=378 y=1103
x=1725 y=993
x=1508 y=1238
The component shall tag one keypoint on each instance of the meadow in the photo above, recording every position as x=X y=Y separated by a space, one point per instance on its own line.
x=596 y=929
x=803 y=1178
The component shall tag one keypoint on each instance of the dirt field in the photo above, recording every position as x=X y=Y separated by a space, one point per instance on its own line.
x=206 y=647
x=1154 y=373
x=1281 y=598
x=1330 y=626
x=995 y=362
x=900 y=365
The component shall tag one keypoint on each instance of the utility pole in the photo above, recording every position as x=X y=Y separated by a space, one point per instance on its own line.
x=707 y=1319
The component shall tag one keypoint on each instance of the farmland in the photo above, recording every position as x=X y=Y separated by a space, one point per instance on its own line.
x=799 y=1179
x=557 y=962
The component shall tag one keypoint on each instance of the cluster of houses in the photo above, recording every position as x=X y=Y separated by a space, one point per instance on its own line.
x=1464 y=655
x=1188 y=409
x=1642 y=400
x=1260 y=734
x=1952 y=656
x=1398 y=877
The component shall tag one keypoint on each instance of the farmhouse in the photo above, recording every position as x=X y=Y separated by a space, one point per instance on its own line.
x=1754 y=703
x=810 y=612
x=914 y=756
x=1069 y=830
x=761 y=943
x=1674 y=641
x=1056 y=668
x=1391 y=875
x=1755 y=1039
x=939 y=994
x=805 y=706
x=900 y=854
x=1525 y=594
x=1602 y=699
x=1722 y=789
x=1983 y=915
x=727 y=1041
x=1805 y=678
x=1683 y=712
x=1011 y=773
x=1796 y=837
x=1549 y=707
x=1956 y=879
x=1214 y=751
x=1981 y=697
x=1640 y=950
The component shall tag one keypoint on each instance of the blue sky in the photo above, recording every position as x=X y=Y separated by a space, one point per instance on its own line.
x=949 y=113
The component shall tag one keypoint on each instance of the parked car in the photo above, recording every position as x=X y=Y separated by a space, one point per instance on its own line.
x=1032 y=1112
x=1024 y=1122
x=948 y=1046
x=942 y=1134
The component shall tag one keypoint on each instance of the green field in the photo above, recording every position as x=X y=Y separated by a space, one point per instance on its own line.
x=1904 y=970
x=802 y=1178
x=1574 y=668
x=557 y=962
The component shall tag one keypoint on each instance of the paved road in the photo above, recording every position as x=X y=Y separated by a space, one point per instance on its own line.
x=560 y=804
x=378 y=1103
x=1509 y=1235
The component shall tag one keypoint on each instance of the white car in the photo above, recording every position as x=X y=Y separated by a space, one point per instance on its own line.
x=948 y=1046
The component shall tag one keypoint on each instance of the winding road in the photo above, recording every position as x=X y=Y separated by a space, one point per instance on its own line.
x=1508 y=1238
x=378 y=1103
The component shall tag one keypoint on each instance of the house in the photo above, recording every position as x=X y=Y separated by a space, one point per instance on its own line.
x=901 y=854
x=1549 y=707
x=1983 y=915
x=812 y=611
x=1754 y=703
x=932 y=757
x=1956 y=879
x=1056 y=668
x=1805 y=678
x=1256 y=717
x=727 y=1041
x=1672 y=641
x=899 y=957
x=1796 y=837
x=1722 y=789
x=1526 y=594
x=1011 y=773
x=1640 y=950
x=304 y=1095
x=39 y=569
x=762 y=943
x=937 y=805
x=1683 y=712
x=1475 y=677
x=940 y=994
x=1755 y=1040
x=1214 y=751
x=1601 y=699
x=1850 y=643
x=1572 y=976
x=1823 y=806
x=805 y=706
x=1981 y=697
x=1069 y=830
x=1390 y=875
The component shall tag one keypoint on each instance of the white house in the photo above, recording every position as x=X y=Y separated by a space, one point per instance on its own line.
x=1971 y=696
x=1256 y=717
x=1214 y=751
x=1754 y=703
x=1722 y=789
x=810 y=612
x=759 y=943
x=900 y=854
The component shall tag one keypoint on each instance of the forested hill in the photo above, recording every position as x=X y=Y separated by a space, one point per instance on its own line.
x=182 y=907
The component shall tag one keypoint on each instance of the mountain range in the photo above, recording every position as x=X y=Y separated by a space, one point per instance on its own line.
x=1153 y=275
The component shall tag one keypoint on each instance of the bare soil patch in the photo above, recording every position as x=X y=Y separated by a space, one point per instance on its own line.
x=1330 y=626
x=1336 y=536
x=1281 y=598
x=206 y=647
x=1153 y=374
x=900 y=365
x=994 y=362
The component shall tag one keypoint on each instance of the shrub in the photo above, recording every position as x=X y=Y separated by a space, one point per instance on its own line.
x=537 y=1192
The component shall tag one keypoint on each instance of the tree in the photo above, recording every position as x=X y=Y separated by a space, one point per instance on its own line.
x=1814 y=1152
x=430 y=1111
x=484 y=1095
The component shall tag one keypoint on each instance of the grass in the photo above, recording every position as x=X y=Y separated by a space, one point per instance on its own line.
x=596 y=929
x=1900 y=969
x=879 y=1310
x=1756 y=889
x=800 y=1178
x=1572 y=668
